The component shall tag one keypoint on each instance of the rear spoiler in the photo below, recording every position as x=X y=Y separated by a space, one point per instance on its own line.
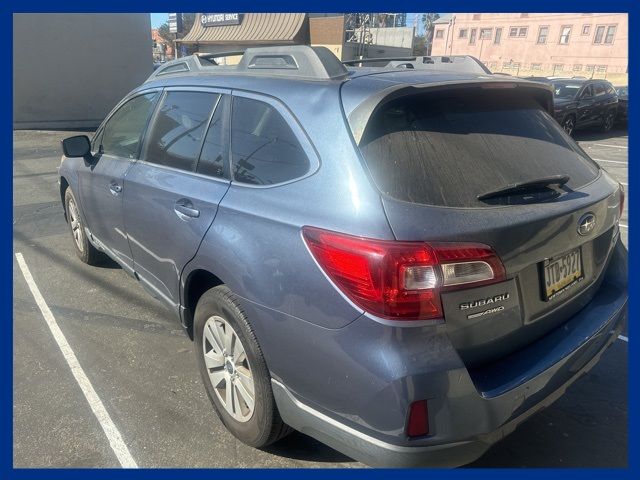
x=359 y=116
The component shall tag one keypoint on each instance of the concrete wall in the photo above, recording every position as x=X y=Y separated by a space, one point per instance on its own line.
x=350 y=52
x=69 y=70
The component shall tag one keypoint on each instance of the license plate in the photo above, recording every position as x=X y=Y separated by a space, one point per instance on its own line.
x=562 y=273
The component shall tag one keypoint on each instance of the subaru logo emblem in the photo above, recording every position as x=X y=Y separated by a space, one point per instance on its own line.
x=586 y=224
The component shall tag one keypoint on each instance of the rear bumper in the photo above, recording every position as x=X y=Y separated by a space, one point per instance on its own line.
x=532 y=396
x=355 y=395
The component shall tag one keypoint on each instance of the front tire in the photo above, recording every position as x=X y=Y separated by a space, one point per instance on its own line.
x=607 y=122
x=234 y=371
x=86 y=252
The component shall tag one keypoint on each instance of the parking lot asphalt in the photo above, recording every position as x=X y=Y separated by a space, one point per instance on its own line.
x=143 y=370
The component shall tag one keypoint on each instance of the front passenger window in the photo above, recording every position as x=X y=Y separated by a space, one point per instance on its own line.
x=123 y=131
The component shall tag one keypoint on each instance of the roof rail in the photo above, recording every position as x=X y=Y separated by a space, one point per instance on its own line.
x=382 y=59
x=294 y=61
x=450 y=63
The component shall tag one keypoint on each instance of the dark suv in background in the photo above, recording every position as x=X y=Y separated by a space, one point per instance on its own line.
x=581 y=103
x=402 y=263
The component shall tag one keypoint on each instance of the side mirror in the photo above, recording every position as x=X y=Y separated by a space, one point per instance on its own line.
x=78 y=146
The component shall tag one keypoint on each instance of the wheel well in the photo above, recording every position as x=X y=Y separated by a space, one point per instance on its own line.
x=198 y=282
x=63 y=188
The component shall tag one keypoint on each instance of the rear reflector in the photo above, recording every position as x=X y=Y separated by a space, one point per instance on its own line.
x=401 y=280
x=418 y=422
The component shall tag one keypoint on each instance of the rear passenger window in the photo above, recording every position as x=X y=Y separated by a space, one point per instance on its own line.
x=215 y=149
x=123 y=131
x=264 y=149
x=599 y=89
x=176 y=136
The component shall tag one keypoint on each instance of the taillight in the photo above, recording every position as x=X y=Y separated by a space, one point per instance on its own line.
x=401 y=280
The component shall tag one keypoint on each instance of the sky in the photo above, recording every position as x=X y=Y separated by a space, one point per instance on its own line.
x=158 y=19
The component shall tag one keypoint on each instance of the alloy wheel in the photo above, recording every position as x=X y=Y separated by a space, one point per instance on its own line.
x=228 y=368
x=568 y=126
x=76 y=227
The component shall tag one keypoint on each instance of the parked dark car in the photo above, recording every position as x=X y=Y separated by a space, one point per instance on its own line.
x=579 y=103
x=623 y=104
x=403 y=264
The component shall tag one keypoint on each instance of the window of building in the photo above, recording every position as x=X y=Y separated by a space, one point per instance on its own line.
x=536 y=66
x=577 y=67
x=611 y=32
x=513 y=31
x=463 y=33
x=589 y=68
x=485 y=33
x=586 y=29
x=440 y=33
x=511 y=65
x=543 y=34
x=264 y=149
x=472 y=37
x=498 y=36
x=215 y=149
x=123 y=132
x=558 y=67
x=601 y=68
x=597 y=38
x=177 y=132
x=522 y=31
x=565 y=33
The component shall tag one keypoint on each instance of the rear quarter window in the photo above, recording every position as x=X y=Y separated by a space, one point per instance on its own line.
x=447 y=148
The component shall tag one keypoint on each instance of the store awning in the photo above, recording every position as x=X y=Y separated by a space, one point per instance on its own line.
x=271 y=28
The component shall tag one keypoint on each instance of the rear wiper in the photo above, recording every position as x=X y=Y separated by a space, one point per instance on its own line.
x=523 y=187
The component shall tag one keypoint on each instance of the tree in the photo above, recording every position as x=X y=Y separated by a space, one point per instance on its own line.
x=427 y=23
x=187 y=23
x=419 y=48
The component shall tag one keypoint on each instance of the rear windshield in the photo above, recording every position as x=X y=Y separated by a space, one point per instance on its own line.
x=447 y=148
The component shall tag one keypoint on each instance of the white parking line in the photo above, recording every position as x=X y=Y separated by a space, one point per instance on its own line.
x=623 y=225
x=607 y=145
x=610 y=161
x=113 y=435
x=623 y=338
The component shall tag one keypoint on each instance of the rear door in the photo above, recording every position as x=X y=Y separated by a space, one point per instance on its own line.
x=117 y=146
x=585 y=107
x=172 y=194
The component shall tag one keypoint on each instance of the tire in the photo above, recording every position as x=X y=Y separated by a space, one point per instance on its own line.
x=607 y=122
x=219 y=312
x=86 y=252
x=569 y=124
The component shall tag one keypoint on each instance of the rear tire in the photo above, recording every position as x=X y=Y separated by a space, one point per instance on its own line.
x=86 y=252
x=233 y=368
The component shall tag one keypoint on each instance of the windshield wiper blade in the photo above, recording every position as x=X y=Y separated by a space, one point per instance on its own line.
x=523 y=187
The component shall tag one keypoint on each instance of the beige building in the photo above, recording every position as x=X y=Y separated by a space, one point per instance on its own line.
x=567 y=44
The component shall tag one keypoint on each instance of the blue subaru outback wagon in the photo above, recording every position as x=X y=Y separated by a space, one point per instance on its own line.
x=404 y=263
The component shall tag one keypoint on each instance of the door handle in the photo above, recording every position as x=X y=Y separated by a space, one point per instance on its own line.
x=184 y=209
x=115 y=188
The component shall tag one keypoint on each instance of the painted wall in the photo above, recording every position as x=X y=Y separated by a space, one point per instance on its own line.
x=529 y=53
x=69 y=70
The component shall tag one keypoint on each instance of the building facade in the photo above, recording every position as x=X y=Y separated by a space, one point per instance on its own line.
x=162 y=49
x=579 y=44
x=70 y=70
